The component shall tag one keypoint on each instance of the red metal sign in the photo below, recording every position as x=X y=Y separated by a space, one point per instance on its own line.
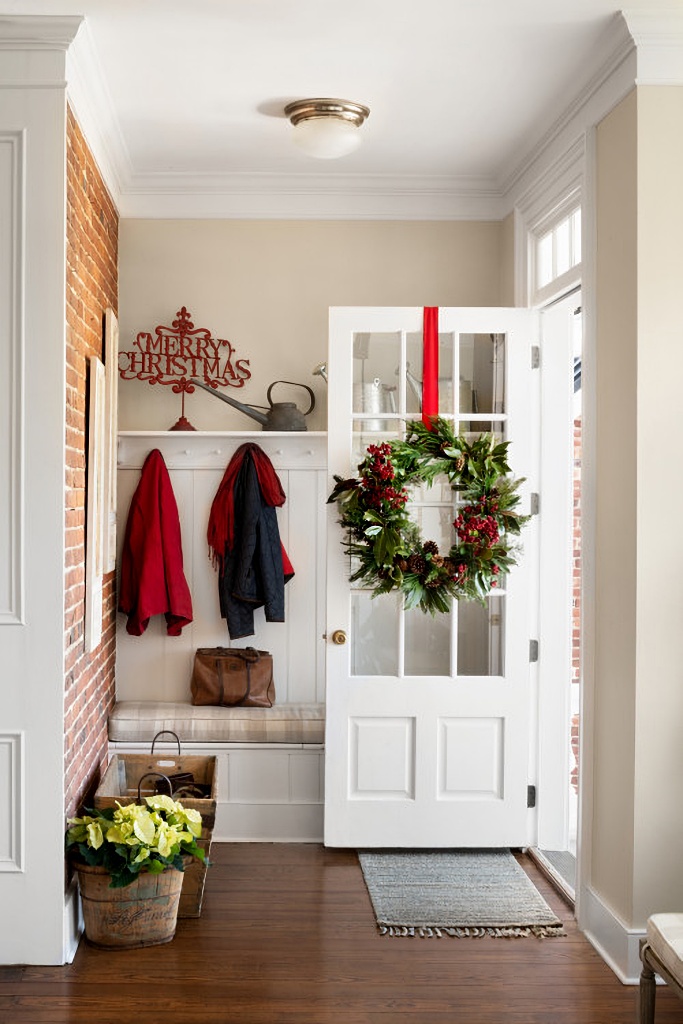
x=174 y=355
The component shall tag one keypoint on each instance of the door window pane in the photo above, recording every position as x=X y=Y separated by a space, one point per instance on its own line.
x=427 y=644
x=374 y=634
x=414 y=375
x=482 y=372
x=376 y=361
x=367 y=432
x=480 y=637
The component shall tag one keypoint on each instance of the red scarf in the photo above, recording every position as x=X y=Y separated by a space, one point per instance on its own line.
x=221 y=530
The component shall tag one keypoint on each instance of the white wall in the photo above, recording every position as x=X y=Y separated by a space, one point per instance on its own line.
x=158 y=667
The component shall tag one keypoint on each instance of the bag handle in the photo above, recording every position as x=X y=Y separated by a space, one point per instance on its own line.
x=247 y=654
x=159 y=775
x=161 y=733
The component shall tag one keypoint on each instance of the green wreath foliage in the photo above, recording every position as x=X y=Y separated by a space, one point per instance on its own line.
x=386 y=543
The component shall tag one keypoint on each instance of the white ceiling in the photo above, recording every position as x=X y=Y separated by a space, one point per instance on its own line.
x=190 y=94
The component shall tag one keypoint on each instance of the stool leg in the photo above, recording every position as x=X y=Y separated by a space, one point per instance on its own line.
x=647 y=995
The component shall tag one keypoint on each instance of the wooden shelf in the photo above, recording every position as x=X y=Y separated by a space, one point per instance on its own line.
x=213 y=449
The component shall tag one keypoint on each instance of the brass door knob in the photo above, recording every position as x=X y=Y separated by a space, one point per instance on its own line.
x=339 y=637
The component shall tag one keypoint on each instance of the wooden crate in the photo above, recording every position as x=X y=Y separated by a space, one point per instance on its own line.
x=125 y=775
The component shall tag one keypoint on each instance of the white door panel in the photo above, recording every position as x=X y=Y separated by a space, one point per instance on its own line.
x=428 y=739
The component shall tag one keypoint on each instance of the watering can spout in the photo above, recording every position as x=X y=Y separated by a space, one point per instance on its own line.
x=260 y=417
x=278 y=415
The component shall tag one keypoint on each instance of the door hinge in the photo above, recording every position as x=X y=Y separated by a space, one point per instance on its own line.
x=535 y=357
x=533 y=650
x=531 y=796
x=534 y=503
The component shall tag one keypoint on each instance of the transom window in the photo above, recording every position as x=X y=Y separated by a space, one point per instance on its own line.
x=556 y=254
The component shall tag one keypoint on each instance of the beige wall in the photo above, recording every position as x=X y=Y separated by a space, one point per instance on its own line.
x=267 y=286
x=658 y=880
x=617 y=468
x=638 y=823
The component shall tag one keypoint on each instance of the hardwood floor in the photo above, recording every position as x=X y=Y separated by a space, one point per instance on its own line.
x=287 y=936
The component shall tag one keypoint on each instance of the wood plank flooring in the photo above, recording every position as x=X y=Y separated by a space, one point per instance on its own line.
x=287 y=936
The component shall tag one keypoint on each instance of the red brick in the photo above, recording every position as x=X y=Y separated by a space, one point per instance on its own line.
x=91 y=286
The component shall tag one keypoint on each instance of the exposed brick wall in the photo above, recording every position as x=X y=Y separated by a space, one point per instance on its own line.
x=91 y=287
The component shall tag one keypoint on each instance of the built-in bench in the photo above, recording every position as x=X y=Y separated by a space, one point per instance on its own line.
x=135 y=721
x=269 y=761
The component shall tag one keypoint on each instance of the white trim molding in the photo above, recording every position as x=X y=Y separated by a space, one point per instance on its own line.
x=558 y=187
x=658 y=35
x=12 y=802
x=309 y=197
x=38 y=32
x=617 y=944
x=91 y=104
x=12 y=248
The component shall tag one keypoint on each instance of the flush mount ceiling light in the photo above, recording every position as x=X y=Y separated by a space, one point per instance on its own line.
x=326 y=128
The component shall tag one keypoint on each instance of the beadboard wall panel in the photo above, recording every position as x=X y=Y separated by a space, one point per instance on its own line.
x=156 y=666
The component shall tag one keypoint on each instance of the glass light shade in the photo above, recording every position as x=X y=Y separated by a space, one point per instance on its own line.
x=326 y=137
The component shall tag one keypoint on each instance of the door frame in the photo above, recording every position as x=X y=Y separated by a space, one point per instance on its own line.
x=555 y=584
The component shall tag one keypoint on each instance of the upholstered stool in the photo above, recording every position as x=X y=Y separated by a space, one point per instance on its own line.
x=661 y=953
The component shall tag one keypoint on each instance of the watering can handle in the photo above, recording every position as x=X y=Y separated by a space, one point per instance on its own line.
x=296 y=385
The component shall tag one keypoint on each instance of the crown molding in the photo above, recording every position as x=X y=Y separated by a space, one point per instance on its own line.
x=310 y=196
x=38 y=32
x=610 y=76
x=92 y=106
x=658 y=36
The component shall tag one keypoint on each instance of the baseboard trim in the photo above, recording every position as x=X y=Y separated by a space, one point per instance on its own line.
x=73 y=922
x=617 y=944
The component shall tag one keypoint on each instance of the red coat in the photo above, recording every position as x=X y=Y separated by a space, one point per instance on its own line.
x=152 y=579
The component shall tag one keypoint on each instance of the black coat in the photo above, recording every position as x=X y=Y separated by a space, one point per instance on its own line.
x=252 y=575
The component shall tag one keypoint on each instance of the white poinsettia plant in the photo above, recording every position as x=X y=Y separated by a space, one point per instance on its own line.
x=131 y=838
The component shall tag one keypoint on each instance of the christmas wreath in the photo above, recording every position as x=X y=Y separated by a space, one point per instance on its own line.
x=386 y=544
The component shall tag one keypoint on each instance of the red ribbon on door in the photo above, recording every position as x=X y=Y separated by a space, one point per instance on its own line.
x=430 y=365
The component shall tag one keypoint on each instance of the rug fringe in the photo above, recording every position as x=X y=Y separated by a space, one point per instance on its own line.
x=427 y=932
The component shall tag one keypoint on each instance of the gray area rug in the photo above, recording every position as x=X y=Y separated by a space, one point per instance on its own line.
x=461 y=893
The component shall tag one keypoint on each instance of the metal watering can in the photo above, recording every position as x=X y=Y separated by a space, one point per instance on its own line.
x=468 y=397
x=277 y=415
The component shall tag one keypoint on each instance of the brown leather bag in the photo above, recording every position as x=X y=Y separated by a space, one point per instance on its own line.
x=232 y=677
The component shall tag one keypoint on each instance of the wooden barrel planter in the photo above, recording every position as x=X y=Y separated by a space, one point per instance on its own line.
x=143 y=913
x=121 y=785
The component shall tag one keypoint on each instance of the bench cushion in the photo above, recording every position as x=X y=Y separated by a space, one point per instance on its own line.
x=134 y=721
x=665 y=935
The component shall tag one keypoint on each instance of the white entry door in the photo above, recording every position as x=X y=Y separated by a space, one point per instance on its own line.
x=429 y=735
